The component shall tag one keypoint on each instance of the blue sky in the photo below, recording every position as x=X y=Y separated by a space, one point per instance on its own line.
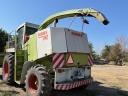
x=15 y=12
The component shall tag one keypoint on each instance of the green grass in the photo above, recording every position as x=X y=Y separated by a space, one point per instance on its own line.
x=116 y=87
x=8 y=93
x=126 y=63
x=91 y=93
x=2 y=82
x=1 y=58
x=122 y=93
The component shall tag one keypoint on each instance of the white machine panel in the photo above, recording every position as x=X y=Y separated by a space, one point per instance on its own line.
x=44 y=44
x=71 y=74
x=60 y=40
x=77 y=41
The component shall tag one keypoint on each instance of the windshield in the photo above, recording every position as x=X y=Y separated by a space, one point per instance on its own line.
x=30 y=30
x=20 y=36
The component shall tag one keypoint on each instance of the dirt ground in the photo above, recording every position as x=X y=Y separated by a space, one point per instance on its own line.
x=109 y=80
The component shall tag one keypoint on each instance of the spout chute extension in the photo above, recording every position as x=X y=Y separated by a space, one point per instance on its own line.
x=88 y=12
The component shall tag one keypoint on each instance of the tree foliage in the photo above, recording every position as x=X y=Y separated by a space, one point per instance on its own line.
x=106 y=52
x=93 y=52
x=3 y=39
x=117 y=52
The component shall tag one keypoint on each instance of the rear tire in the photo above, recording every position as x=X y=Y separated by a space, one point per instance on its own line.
x=38 y=81
x=26 y=66
x=8 y=69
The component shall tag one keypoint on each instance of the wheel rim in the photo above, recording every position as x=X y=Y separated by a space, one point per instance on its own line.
x=33 y=84
x=5 y=75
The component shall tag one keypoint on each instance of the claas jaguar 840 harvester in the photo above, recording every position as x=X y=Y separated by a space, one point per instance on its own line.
x=42 y=58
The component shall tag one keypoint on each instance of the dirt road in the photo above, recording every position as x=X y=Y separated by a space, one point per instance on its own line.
x=109 y=80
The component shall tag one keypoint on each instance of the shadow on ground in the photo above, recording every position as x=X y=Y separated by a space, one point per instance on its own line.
x=95 y=89
x=101 y=90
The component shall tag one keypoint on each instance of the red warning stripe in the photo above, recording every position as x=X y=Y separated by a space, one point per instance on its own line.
x=90 y=59
x=67 y=86
x=58 y=60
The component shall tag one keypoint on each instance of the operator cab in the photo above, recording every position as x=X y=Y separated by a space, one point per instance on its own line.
x=24 y=31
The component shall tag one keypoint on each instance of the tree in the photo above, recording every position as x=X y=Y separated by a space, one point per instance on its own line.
x=106 y=52
x=3 y=39
x=94 y=54
x=122 y=55
x=119 y=50
x=123 y=41
x=116 y=53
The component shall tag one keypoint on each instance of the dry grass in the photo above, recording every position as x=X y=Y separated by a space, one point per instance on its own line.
x=111 y=75
x=110 y=80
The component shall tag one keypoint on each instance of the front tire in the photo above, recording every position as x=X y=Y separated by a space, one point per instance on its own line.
x=8 y=69
x=38 y=81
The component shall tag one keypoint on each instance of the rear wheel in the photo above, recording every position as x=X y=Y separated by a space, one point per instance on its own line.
x=38 y=81
x=8 y=69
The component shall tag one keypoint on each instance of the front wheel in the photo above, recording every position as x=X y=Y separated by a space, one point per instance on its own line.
x=8 y=69
x=38 y=81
